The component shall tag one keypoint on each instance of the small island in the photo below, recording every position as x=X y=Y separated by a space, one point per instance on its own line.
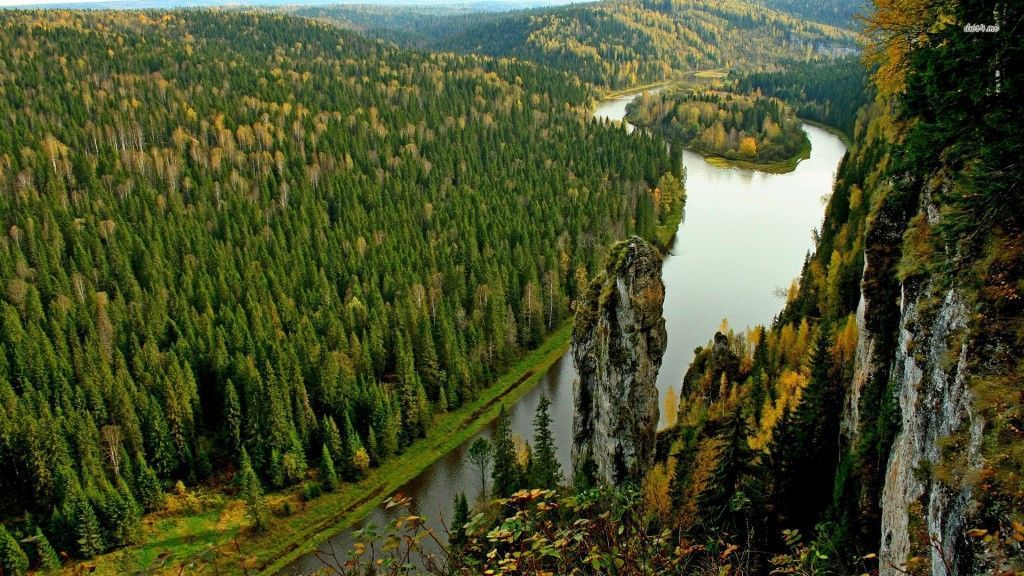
x=751 y=131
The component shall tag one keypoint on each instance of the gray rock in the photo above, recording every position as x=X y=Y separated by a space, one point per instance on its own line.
x=617 y=344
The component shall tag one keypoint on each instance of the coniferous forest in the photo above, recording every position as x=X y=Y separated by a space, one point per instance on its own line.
x=237 y=233
x=251 y=259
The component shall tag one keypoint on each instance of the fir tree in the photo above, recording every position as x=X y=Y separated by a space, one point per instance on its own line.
x=546 y=471
x=328 y=477
x=13 y=559
x=45 y=556
x=85 y=527
x=252 y=491
x=147 y=485
x=459 y=520
x=506 y=473
x=731 y=492
x=232 y=417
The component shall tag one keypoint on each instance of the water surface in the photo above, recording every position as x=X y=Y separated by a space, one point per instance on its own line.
x=741 y=243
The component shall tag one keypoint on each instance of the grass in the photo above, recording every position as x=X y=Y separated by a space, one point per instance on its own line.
x=207 y=540
x=634 y=90
x=667 y=231
x=715 y=74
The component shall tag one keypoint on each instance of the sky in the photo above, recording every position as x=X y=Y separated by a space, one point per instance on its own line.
x=180 y=3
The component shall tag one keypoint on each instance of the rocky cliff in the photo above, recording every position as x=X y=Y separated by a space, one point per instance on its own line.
x=617 y=344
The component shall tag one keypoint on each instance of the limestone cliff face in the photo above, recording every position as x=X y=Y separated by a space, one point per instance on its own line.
x=924 y=513
x=617 y=344
x=914 y=340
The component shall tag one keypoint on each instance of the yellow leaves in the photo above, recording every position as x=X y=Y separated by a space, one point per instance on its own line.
x=671 y=407
x=892 y=31
x=655 y=490
x=846 y=340
x=748 y=147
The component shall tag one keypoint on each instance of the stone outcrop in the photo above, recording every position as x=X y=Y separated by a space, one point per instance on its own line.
x=617 y=344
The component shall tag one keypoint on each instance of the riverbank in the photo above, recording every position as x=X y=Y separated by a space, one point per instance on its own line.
x=212 y=539
x=830 y=129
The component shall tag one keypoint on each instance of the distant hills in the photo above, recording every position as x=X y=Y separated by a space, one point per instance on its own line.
x=616 y=43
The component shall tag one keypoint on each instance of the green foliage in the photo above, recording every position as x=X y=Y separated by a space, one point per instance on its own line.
x=731 y=125
x=460 y=518
x=481 y=454
x=147 y=486
x=45 y=557
x=328 y=477
x=85 y=528
x=545 y=471
x=13 y=559
x=239 y=227
x=506 y=473
x=829 y=91
x=256 y=508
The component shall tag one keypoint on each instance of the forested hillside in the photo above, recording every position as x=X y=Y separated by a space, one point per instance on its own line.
x=615 y=43
x=874 y=427
x=250 y=238
x=842 y=13
x=622 y=43
x=830 y=91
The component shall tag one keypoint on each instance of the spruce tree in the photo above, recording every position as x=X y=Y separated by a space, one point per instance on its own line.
x=814 y=447
x=459 y=520
x=147 y=486
x=232 y=418
x=85 y=527
x=328 y=477
x=45 y=556
x=731 y=492
x=546 y=471
x=13 y=559
x=252 y=491
x=506 y=473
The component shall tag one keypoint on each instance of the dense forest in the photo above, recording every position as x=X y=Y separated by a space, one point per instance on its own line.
x=258 y=241
x=830 y=91
x=874 y=427
x=789 y=452
x=842 y=13
x=616 y=43
x=723 y=124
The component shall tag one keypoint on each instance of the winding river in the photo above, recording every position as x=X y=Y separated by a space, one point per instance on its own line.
x=740 y=244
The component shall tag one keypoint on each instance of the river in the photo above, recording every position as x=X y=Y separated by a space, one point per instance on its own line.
x=742 y=242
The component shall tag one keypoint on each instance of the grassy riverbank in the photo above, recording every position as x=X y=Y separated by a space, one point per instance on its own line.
x=204 y=529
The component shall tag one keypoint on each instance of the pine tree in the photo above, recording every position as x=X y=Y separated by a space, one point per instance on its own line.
x=506 y=473
x=813 y=453
x=252 y=491
x=459 y=519
x=147 y=486
x=85 y=527
x=45 y=556
x=546 y=471
x=731 y=492
x=13 y=559
x=232 y=417
x=328 y=478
